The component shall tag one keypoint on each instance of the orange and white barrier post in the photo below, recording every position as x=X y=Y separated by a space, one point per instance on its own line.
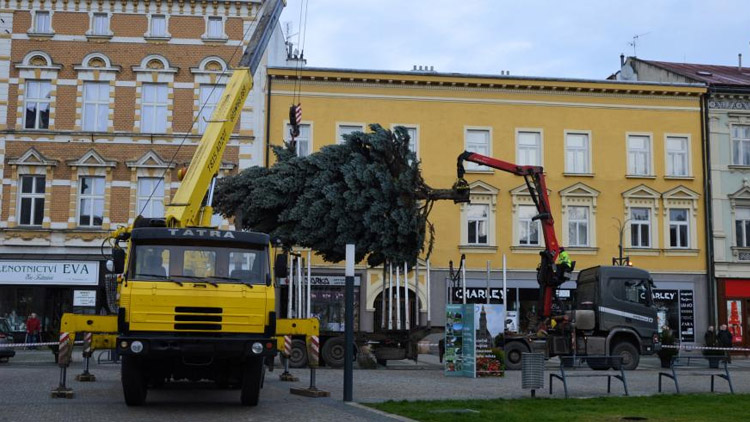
x=65 y=349
x=86 y=376
x=286 y=375
x=313 y=349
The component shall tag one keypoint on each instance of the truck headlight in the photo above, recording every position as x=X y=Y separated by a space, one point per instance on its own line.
x=136 y=346
x=257 y=348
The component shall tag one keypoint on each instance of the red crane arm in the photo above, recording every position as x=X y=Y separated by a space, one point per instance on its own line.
x=547 y=275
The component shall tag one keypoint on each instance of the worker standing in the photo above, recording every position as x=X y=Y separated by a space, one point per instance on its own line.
x=564 y=259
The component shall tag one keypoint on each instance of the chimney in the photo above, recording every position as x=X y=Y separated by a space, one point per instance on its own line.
x=622 y=59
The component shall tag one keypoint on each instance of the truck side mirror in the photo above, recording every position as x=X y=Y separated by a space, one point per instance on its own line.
x=280 y=267
x=117 y=264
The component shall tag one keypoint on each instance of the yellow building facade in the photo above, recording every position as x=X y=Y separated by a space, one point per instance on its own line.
x=614 y=154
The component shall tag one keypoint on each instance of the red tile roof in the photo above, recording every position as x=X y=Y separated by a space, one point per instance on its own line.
x=711 y=74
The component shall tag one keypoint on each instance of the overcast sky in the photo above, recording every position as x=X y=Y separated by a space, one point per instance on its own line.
x=577 y=39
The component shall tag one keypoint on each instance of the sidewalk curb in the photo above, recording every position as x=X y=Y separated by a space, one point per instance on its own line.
x=381 y=413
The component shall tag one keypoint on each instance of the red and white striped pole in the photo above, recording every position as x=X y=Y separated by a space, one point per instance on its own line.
x=285 y=355
x=65 y=349
x=314 y=348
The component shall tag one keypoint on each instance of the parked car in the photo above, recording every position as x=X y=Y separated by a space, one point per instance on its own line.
x=5 y=337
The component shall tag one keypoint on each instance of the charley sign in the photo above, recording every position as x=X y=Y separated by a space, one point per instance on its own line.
x=58 y=273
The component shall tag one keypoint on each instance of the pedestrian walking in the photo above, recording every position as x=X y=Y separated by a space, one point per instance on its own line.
x=724 y=338
x=709 y=339
x=33 y=328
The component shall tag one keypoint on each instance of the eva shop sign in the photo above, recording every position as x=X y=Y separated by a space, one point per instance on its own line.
x=50 y=273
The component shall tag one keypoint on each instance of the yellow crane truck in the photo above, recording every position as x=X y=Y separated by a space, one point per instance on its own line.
x=195 y=302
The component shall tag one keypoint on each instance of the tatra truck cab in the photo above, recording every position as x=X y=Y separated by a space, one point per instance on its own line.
x=195 y=304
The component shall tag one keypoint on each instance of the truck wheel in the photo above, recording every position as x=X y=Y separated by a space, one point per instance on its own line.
x=134 y=382
x=513 y=352
x=299 y=354
x=252 y=380
x=333 y=352
x=629 y=353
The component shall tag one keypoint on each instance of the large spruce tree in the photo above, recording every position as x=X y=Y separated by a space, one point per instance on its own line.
x=368 y=191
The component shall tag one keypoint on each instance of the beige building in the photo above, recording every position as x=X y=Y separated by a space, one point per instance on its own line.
x=100 y=104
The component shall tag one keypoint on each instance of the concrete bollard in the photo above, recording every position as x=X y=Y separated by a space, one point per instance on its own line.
x=63 y=360
x=86 y=376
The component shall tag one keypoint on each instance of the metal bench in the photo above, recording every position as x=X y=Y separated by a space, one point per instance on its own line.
x=683 y=367
x=570 y=366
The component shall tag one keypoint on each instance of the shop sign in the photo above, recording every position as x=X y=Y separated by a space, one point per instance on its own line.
x=687 y=318
x=84 y=298
x=51 y=273
x=477 y=295
x=327 y=280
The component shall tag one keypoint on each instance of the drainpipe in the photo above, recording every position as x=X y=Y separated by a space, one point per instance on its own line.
x=708 y=192
x=268 y=121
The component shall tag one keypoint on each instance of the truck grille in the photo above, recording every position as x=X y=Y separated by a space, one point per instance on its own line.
x=194 y=318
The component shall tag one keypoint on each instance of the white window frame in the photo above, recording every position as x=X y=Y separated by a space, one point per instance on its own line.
x=33 y=196
x=677 y=224
x=99 y=32
x=360 y=127
x=744 y=227
x=150 y=33
x=207 y=104
x=212 y=37
x=93 y=197
x=484 y=194
x=670 y=155
x=480 y=148
x=155 y=105
x=97 y=104
x=527 y=223
x=586 y=221
x=744 y=144
x=308 y=140
x=153 y=196
x=35 y=28
x=647 y=223
x=413 y=131
x=539 y=147
x=631 y=170
x=586 y=151
x=43 y=100
x=479 y=222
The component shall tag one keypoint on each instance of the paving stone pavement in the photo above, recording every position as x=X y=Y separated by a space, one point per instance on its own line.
x=26 y=381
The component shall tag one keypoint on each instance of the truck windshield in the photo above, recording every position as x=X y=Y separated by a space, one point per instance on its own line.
x=192 y=262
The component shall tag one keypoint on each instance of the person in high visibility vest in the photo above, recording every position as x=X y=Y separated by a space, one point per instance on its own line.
x=564 y=258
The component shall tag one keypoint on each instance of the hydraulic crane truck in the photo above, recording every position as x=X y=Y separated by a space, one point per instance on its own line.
x=195 y=302
x=613 y=313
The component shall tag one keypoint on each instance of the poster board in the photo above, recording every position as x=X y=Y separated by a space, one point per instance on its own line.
x=471 y=340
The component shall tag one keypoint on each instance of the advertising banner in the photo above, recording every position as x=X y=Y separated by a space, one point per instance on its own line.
x=489 y=322
x=50 y=273
x=734 y=319
x=472 y=346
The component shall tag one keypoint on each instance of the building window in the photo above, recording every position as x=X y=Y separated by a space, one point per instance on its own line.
x=639 y=155
x=677 y=156
x=91 y=201
x=342 y=130
x=640 y=227
x=529 y=148
x=150 y=197
x=37 y=104
x=154 y=108
x=95 y=106
x=412 y=131
x=742 y=226
x=477 y=217
x=303 y=142
x=158 y=26
x=577 y=153
x=100 y=24
x=578 y=226
x=478 y=141
x=210 y=96
x=42 y=22
x=741 y=145
x=31 y=200
x=679 y=233
x=529 y=229
x=215 y=27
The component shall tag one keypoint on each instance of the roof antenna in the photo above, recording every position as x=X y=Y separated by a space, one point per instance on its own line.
x=635 y=42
